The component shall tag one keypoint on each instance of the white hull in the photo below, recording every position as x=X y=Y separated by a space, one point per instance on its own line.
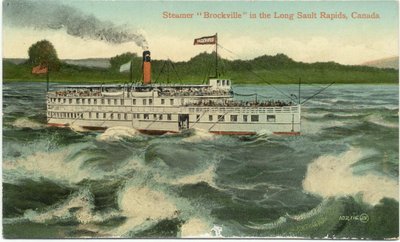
x=155 y=112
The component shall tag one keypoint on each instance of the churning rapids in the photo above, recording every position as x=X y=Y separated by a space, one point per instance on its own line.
x=338 y=179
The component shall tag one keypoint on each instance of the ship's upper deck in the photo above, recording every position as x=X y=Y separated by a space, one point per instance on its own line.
x=218 y=93
x=241 y=103
x=134 y=91
x=214 y=88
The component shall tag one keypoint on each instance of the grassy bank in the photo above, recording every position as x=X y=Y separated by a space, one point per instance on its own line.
x=277 y=69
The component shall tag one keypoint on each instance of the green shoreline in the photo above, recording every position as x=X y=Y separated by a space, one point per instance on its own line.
x=278 y=69
x=235 y=84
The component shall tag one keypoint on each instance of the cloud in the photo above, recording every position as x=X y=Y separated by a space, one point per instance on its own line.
x=50 y=15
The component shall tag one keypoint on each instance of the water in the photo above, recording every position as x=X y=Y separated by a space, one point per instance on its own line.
x=338 y=179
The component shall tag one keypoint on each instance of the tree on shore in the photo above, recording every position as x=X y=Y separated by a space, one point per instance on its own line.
x=43 y=53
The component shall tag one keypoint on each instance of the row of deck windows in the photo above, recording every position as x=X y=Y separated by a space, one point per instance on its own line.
x=146 y=116
x=150 y=101
x=87 y=101
x=66 y=115
x=113 y=116
x=222 y=82
x=118 y=116
x=234 y=118
x=105 y=101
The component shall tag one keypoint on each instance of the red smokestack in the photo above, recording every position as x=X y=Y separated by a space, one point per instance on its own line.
x=146 y=67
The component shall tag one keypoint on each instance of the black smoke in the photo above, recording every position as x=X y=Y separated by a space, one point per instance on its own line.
x=51 y=15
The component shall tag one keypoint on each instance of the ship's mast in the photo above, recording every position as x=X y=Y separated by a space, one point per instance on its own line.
x=299 y=89
x=131 y=71
x=216 y=55
x=47 y=79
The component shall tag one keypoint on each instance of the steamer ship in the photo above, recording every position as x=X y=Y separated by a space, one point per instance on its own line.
x=154 y=108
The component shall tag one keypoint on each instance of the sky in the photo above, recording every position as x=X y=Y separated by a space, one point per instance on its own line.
x=346 y=41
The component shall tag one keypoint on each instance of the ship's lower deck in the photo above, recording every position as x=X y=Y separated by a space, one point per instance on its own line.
x=219 y=120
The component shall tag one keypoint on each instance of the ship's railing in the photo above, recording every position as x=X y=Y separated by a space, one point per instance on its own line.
x=89 y=94
x=191 y=109
x=197 y=93
x=74 y=93
x=285 y=109
x=240 y=103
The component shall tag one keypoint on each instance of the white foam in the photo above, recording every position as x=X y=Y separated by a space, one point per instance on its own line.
x=196 y=228
x=310 y=127
x=320 y=102
x=299 y=217
x=48 y=164
x=77 y=128
x=27 y=123
x=83 y=204
x=380 y=121
x=264 y=132
x=200 y=135
x=313 y=212
x=143 y=206
x=345 y=115
x=314 y=115
x=205 y=176
x=82 y=200
x=277 y=223
x=253 y=186
x=331 y=175
x=117 y=133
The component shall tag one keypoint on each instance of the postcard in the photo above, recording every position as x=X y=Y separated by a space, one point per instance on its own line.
x=200 y=119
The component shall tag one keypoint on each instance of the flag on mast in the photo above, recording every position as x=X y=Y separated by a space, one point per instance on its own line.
x=40 y=69
x=125 y=67
x=206 y=40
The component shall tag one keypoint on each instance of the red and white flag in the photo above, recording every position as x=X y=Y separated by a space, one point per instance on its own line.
x=39 y=69
x=207 y=40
